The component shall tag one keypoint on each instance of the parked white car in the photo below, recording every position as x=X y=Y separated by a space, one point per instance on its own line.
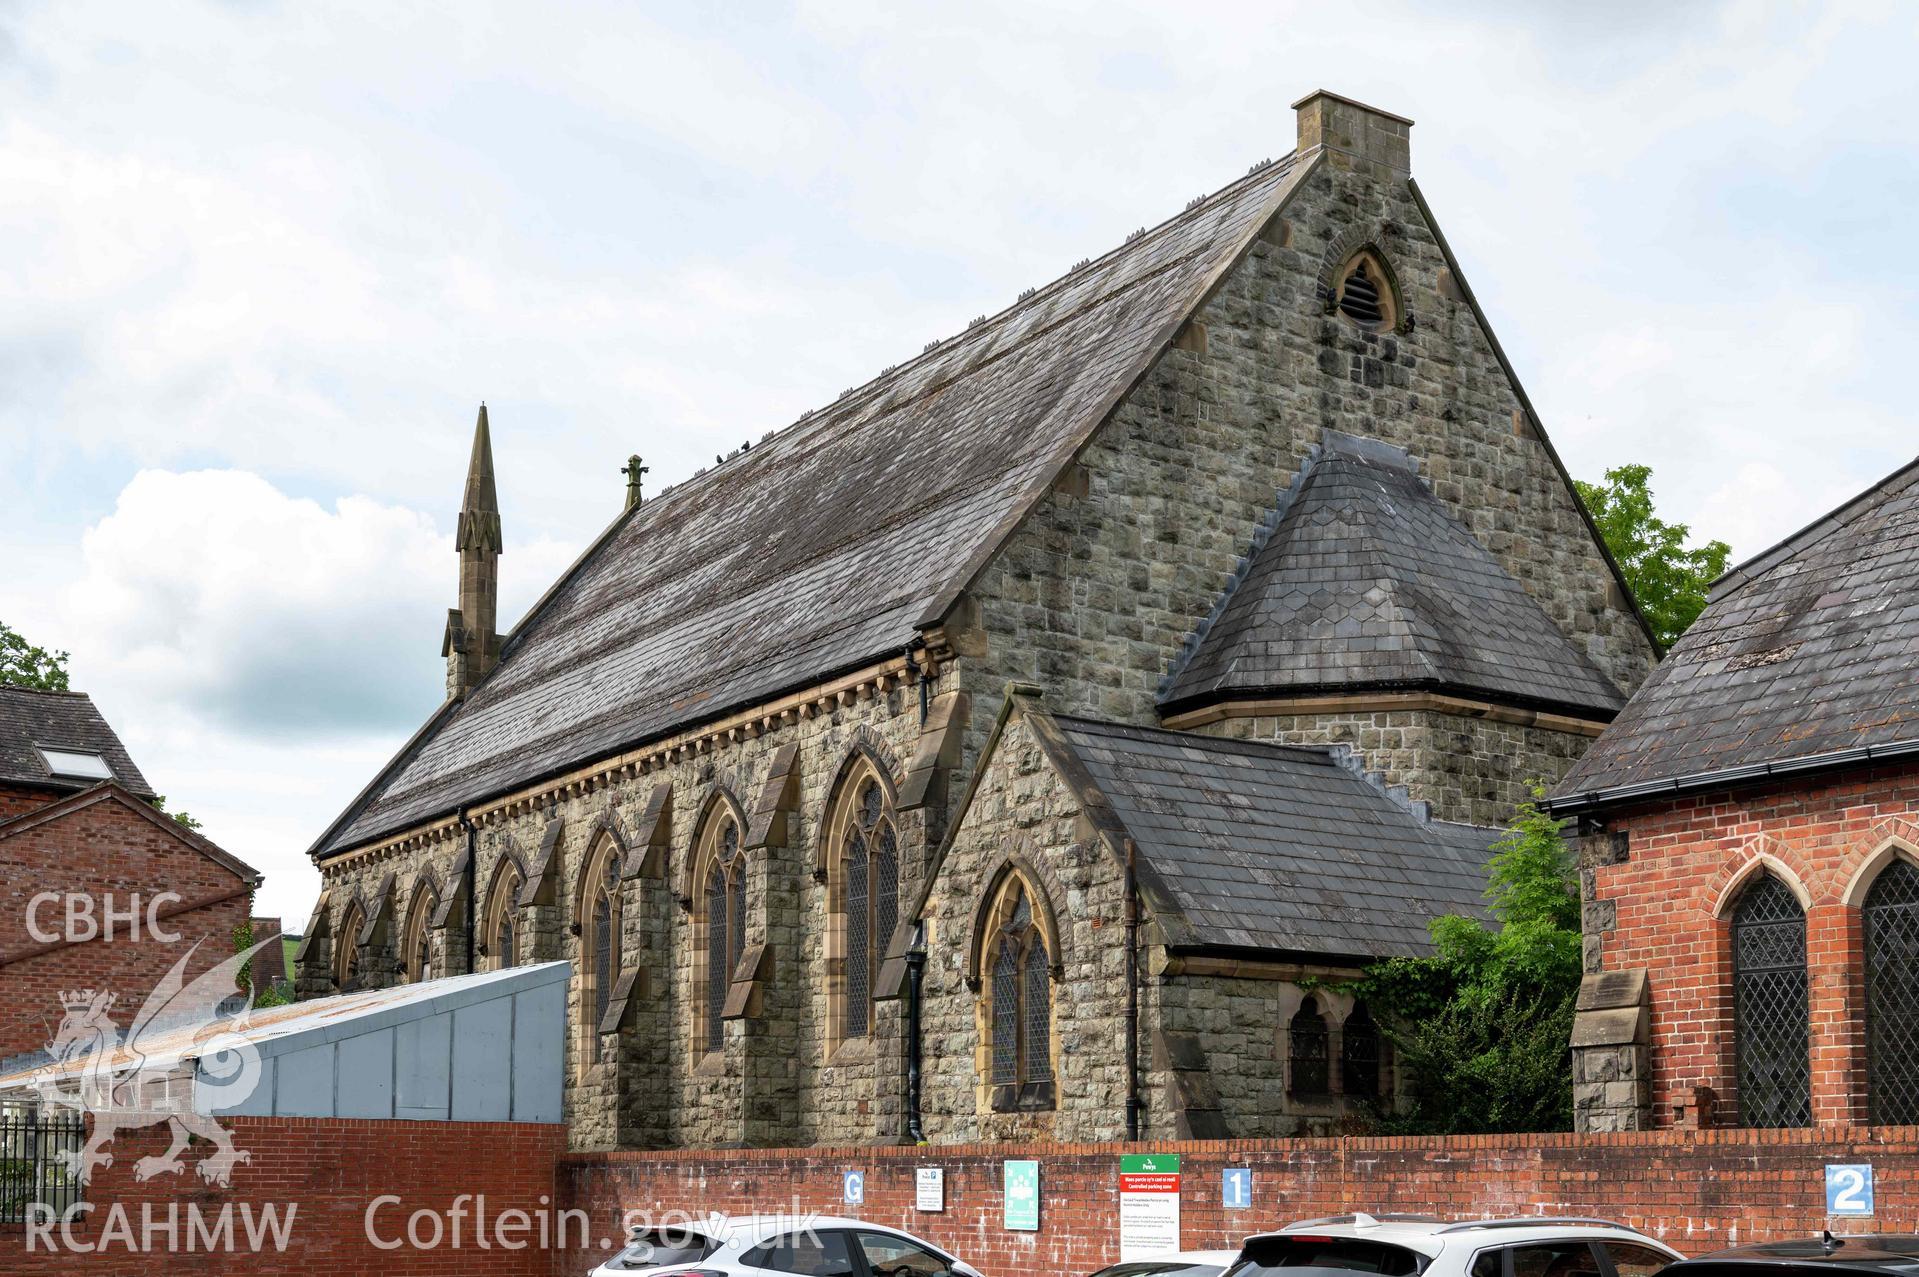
x=794 y=1245
x=1187 y=1263
x=1424 y=1246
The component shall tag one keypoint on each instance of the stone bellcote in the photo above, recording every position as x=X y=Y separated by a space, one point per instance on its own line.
x=1355 y=136
x=471 y=643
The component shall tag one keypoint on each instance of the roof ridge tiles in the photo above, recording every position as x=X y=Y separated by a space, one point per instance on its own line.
x=1796 y=543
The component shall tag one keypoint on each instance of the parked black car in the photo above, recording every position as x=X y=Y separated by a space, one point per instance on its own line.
x=1885 y=1255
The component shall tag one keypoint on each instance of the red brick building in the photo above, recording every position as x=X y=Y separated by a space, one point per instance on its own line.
x=98 y=888
x=1750 y=864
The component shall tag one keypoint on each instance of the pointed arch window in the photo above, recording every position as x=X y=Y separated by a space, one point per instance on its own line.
x=418 y=943
x=722 y=922
x=600 y=930
x=1308 y=1046
x=865 y=894
x=346 y=947
x=1364 y=292
x=1771 y=1040
x=1359 y=1054
x=1890 y=919
x=500 y=933
x=1017 y=990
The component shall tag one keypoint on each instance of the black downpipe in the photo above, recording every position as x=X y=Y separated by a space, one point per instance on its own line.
x=915 y=979
x=1133 y=1105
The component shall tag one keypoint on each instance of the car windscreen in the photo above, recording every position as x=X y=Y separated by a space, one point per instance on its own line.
x=658 y=1247
x=1160 y=1268
x=1264 y=1256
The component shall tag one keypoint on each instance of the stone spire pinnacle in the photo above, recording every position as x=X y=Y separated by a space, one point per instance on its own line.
x=470 y=645
x=480 y=510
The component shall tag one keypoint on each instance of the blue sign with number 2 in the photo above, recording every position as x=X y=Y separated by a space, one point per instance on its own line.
x=1849 y=1189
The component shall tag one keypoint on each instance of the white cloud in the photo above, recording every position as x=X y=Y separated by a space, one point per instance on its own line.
x=273 y=253
x=262 y=654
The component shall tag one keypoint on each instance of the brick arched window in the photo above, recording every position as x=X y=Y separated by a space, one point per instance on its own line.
x=1017 y=993
x=864 y=898
x=1771 y=1040
x=600 y=930
x=417 y=950
x=500 y=932
x=1359 y=1055
x=1890 y=919
x=1307 y=1050
x=719 y=921
x=346 y=946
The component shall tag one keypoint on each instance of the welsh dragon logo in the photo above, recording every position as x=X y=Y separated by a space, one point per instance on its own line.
x=108 y=1077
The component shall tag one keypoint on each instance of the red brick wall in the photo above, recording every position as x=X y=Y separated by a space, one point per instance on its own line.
x=330 y=1170
x=103 y=850
x=1699 y=1191
x=17 y=799
x=1686 y=860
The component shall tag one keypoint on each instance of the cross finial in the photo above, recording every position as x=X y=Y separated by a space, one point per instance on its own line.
x=635 y=475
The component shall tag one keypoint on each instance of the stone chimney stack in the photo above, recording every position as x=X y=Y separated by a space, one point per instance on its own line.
x=1355 y=136
x=472 y=645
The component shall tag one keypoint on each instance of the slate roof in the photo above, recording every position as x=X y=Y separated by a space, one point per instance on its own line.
x=828 y=545
x=58 y=720
x=1805 y=652
x=1275 y=847
x=1366 y=580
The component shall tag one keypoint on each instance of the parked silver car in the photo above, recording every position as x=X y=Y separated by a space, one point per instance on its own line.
x=792 y=1245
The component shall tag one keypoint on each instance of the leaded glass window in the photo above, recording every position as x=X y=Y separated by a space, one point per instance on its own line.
x=1891 y=926
x=1770 y=1032
x=417 y=949
x=869 y=900
x=1359 y=1055
x=1020 y=1008
x=725 y=921
x=717 y=973
x=499 y=936
x=1307 y=1045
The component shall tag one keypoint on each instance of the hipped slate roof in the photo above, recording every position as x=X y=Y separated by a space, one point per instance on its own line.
x=1367 y=581
x=1804 y=653
x=827 y=546
x=1278 y=848
x=58 y=720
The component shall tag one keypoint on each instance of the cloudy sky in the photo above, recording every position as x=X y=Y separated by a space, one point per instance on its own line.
x=263 y=260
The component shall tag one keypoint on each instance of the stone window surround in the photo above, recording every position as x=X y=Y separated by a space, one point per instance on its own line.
x=596 y=884
x=419 y=918
x=346 y=945
x=1015 y=873
x=502 y=899
x=860 y=767
x=720 y=810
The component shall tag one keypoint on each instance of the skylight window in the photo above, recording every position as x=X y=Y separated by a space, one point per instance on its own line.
x=76 y=764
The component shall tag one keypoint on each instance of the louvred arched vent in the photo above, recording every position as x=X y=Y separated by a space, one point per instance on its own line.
x=1359 y=300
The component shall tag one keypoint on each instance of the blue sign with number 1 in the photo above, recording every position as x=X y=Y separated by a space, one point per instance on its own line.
x=1849 y=1189
x=1236 y=1188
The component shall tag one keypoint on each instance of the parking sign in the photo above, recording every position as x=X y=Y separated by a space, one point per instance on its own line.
x=1236 y=1188
x=1849 y=1188
x=853 y=1188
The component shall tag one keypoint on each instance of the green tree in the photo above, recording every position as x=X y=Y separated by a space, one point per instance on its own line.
x=1481 y=1026
x=1668 y=579
x=24 y=665
x=179 y=817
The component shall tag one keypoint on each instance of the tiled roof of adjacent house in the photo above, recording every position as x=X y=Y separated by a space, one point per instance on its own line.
x=32 y=721
x=1280 y=848
x=1366 y=580
x=828 y=545
x=1803 y=654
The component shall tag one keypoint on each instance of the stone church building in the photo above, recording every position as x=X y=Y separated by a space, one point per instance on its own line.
x=1014 y=747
